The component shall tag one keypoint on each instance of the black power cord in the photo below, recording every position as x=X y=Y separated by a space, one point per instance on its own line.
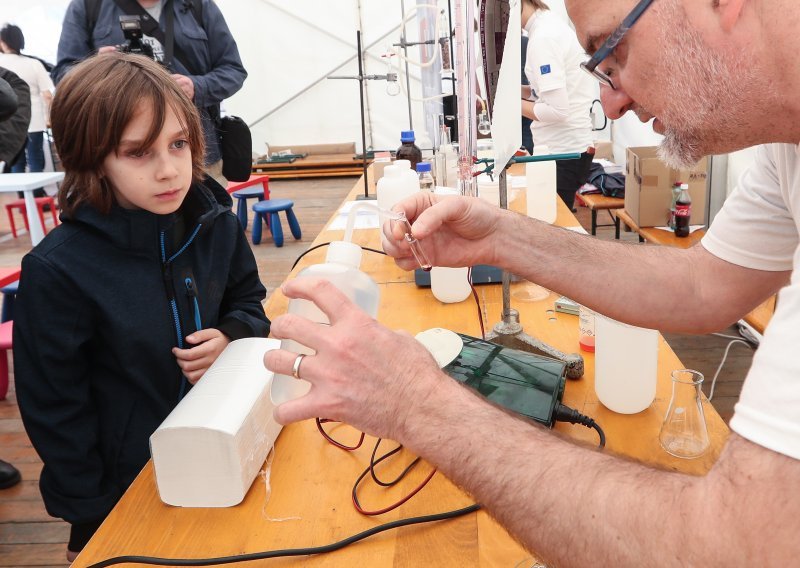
x=564 y=413
x=326 y=244
x=151 y=560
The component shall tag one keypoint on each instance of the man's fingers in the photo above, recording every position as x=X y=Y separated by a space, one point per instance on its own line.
x=325 y=295
x=281 y=362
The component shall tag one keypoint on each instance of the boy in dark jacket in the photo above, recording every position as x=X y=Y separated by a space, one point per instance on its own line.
x=130 y=300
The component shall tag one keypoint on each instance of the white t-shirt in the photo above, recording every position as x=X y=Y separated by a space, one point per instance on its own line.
x=32 y=72
x=553 y=62
x=759 y=227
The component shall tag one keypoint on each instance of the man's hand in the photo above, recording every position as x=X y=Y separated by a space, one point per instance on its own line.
x=196 y=360
x=186 y=85
x=362 y=373
x=452 y=231
x=107 y=49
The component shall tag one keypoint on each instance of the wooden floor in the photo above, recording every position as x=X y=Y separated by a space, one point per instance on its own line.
x=30 y=537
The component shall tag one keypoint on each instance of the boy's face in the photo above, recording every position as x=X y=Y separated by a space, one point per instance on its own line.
x=158 y=178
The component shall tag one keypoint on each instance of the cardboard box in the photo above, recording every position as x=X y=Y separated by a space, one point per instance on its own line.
x=648 y=187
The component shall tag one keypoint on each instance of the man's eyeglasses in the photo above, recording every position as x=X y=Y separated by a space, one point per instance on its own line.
x=612 y=42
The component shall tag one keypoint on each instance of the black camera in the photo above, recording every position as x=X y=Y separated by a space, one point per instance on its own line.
x=132 y=29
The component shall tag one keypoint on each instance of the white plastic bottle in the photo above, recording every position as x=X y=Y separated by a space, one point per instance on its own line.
x=625 y=365
x=450 y=285
x=540 y=188
x=341 y=268
x=397 y=183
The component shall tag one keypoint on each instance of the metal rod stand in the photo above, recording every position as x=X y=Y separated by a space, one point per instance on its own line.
x=509 y=331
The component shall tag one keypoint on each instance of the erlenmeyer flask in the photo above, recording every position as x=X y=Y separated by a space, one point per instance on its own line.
x=684 y=433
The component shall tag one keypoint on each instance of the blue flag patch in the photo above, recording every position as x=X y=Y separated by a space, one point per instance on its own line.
x=544 y=69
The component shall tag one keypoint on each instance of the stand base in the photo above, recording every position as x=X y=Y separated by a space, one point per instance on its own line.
x=362 y=197
x=509 y=333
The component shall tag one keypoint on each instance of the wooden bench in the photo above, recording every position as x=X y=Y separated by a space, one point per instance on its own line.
x=322 y=160
x=598 y=202
x=658 y=236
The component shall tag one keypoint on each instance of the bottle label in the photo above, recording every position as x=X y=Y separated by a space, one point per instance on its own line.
x=682 y=210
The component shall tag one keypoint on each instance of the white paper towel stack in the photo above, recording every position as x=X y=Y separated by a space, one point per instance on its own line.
x=212 y=445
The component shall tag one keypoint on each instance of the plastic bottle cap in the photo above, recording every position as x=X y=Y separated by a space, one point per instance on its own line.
x=423 y=167
x=402 y=164
x=343 y=252
x=407 y=136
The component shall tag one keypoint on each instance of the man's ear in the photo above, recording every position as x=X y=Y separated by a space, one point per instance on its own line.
x=729 y=12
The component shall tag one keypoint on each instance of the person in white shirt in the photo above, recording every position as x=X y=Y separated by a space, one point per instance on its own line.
x=31 y=70
x=559 y=95
x=714 y=76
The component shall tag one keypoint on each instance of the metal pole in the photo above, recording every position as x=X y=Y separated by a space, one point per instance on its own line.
x=405 y=53
x=361 y=98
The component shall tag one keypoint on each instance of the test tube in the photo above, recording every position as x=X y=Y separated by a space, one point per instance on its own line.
x=413 y=243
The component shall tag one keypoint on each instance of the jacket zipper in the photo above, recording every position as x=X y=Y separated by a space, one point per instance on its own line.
x=166 y=272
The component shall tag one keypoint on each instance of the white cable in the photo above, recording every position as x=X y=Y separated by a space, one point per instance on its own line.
x=725 y=336
x=405 y=19
x=721 y=363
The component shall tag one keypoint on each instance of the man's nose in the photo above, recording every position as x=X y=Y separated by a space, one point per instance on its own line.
x=616 y=102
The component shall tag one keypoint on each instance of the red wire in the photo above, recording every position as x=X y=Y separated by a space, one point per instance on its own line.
x=339 y=445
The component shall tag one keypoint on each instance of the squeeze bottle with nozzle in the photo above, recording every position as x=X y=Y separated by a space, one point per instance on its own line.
x=341 y=268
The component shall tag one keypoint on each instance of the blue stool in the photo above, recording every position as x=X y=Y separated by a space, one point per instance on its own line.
x=243 y=195
x=269 y=210
x=9 y=295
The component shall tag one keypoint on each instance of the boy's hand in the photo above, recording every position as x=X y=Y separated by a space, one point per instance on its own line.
x=195 y=361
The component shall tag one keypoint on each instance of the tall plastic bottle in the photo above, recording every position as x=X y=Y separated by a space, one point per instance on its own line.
x=341 y=268
x=540 y=189
x=397 y=183
x=408 y=150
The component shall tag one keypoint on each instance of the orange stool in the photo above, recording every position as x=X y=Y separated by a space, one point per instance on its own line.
x=19 y=204
x=6 y=329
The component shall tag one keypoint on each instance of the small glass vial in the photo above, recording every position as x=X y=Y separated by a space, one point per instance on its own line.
x=425 y=177
x=684 y=433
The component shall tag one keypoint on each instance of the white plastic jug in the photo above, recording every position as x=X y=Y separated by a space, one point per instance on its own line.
x=625 y=365
x=397 y=183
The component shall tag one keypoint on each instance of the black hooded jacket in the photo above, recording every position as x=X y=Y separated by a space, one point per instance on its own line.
x=15 y=115
x=102 y=301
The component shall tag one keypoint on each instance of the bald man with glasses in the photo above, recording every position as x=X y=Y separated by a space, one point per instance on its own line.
x=714 y=76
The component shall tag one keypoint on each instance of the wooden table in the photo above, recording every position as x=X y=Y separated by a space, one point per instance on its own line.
x=27 y=183
x=313 y=165
x=659 y=236
x=598 y=202
x=310 y=480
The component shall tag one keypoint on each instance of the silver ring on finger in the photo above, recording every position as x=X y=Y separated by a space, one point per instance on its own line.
x=296 y=365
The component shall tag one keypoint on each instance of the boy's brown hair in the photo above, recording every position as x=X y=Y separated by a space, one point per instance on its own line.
x=91 y=108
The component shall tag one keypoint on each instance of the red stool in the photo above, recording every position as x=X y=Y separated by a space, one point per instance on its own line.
x=41 y=202
x=6 y=329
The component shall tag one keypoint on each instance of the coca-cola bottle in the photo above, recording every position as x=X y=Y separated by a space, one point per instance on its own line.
x=676 y=191
x=683 y=212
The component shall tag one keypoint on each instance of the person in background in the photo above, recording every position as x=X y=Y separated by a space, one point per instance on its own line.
x=559 y=95
x=714 y=77
x=124 y=306
x=527 y=137
x=31 y=70
x=16 y=115
x=12 y=89
x=206 y=63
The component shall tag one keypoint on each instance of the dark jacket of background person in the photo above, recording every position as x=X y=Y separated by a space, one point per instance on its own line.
x=91 y=398
x=210 y=49
x=15 y=115
x=527 y=137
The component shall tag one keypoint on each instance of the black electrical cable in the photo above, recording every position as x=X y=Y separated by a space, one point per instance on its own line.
x=564 y=413
x=154 y=561
x=326 y=244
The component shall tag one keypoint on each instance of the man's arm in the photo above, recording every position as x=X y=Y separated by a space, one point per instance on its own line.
x=74 y=45
x=226 y=74
x=596 y=510
x=666 y=288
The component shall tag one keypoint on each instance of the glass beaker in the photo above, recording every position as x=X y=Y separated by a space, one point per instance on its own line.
x=684 y=433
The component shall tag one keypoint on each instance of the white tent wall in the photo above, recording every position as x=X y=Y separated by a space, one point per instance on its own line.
x=289 y=49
